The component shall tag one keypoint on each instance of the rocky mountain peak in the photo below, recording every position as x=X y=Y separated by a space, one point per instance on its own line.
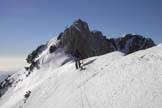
x=133 y=42
x=81 y=25
x=92 y=43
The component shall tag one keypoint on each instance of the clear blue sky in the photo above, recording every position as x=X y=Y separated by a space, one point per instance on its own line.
x=24 y=24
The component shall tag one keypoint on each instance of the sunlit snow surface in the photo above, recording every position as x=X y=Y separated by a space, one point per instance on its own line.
x=109 y=81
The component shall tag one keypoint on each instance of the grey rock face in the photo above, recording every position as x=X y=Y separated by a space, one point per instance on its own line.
x=78 y=36
x=32 y=56
x=131 y=43
x=90 y=43
x=93 y=43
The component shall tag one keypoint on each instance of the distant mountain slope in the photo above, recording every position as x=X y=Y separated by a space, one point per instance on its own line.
x=109 y=81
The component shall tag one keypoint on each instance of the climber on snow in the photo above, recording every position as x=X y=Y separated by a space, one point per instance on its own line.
x=77 y=57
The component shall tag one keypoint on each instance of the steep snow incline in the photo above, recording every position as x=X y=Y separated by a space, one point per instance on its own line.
x=44 y=81
x=109 y=81
x=4 y=74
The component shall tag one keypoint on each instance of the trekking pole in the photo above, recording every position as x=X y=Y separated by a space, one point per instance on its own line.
x=82 y=62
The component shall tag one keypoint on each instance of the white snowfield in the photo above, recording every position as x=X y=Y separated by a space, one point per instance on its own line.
x=109 y=81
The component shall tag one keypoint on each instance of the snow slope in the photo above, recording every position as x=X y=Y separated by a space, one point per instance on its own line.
x=109 y=81
x=4 y=74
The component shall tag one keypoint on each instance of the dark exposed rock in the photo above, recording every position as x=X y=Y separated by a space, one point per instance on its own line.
x=60 y=35
x=78 y=36
x=27 y=94
x=31 y=57
x=5 y=84
x=52 y=48
x=133 y=42
x=91 y=43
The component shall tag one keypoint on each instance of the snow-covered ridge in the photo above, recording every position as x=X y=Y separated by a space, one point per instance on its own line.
x=110 y=80
x=51 y=77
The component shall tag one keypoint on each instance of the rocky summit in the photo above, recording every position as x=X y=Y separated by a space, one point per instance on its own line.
x=133 y=42
x=90 y=43
x=94 y=43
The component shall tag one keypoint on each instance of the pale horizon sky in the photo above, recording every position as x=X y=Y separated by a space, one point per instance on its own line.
x=12 y=63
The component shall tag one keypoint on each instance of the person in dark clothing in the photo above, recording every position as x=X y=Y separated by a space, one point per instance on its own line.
x=26 y=96
x=77 y=58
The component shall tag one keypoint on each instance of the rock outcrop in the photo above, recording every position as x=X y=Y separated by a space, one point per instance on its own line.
x=133 y=42
x=5 y=84
x=31 y=58
x=78 y=36
x=90 y=43
x=93 y=43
